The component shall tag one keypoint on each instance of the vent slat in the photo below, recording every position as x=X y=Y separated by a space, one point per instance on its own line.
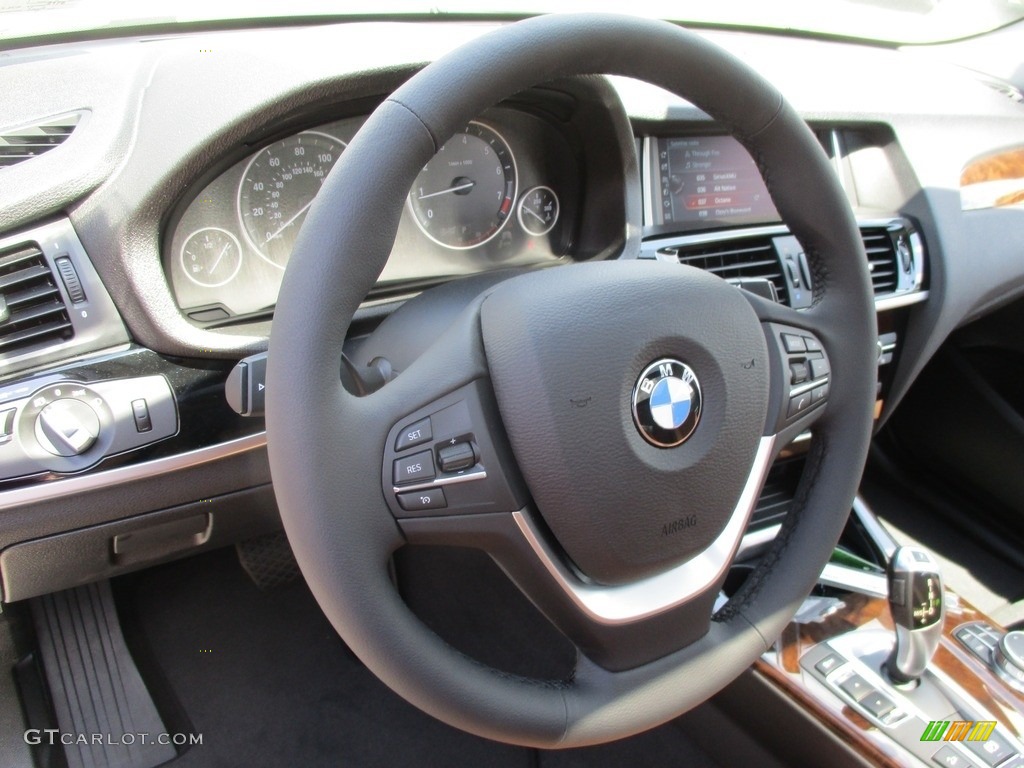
x=37 y=314
x=882 y=260
x=734 y=260
x=57 y=329
x=26 y=142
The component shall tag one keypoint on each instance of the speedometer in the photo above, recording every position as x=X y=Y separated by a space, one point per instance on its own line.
x=278 y=187
x=464 y=194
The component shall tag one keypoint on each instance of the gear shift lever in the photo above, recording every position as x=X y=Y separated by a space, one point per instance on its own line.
x=916 y=603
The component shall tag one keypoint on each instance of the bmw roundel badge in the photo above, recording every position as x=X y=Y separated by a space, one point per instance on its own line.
x=666 y=403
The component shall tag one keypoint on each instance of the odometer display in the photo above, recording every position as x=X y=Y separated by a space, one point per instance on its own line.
x=278 y=187
x=464 y=196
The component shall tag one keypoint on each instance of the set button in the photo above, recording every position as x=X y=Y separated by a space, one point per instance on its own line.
x=413 y=435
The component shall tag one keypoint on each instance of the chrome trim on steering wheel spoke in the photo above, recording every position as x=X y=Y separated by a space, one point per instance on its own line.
x=648 y=597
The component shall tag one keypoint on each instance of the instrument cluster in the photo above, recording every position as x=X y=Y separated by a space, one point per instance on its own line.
x=502 y=192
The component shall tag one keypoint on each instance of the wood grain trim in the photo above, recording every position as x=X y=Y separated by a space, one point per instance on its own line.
x=999 y=167
x=782 y=668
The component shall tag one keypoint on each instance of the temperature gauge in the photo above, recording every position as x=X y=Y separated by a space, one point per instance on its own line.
x=211 y=257
x=538 y=210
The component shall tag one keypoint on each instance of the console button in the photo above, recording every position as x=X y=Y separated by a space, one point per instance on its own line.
x=877 y=704
x=994 y=750
x=414 y=434
x=413 y=469
x=454 y=458
x=950 y=757
x=829 y=663
x=429 y=498
x=857 y=687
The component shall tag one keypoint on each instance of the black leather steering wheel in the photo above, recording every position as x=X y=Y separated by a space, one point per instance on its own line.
x=622 y=543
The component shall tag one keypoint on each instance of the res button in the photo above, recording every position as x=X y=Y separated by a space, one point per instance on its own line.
x=413 y=469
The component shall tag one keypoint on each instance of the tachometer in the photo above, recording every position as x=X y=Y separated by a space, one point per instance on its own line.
x=464 y=195
x=278 y=187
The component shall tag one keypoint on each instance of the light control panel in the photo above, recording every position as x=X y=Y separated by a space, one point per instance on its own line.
x=59 y=425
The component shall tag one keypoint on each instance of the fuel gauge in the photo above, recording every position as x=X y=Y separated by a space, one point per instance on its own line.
x=538 y=210
x=211 y=257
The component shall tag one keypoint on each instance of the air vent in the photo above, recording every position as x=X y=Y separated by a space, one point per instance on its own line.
x=20 y=144
x=32 y=311
x=882 y=260
x=744 y=258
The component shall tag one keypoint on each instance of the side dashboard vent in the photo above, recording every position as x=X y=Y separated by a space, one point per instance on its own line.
x=32 y=310
x=882 y=259
x=20 y=144
x=739 y=259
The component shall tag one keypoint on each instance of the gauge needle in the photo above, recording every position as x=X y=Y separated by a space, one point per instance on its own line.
x=535 y=215
x=288 y=223
x=216 y=262
x=458 y=188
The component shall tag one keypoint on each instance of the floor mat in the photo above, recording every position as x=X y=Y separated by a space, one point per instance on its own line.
x=267 y=682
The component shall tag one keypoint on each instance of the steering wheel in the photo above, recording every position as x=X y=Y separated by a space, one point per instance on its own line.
x=602 y=430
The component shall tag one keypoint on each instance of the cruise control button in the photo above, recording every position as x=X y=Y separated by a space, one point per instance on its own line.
x=453 y=458
x=414 y=469
x=430 y=498
x=414 y=434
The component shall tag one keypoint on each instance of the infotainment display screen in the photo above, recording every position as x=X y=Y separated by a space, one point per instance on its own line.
x=700 y=182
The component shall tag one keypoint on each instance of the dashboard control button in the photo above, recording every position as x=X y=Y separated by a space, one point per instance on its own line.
x=830 y=663
x=140 y=410
x=819 y=393
x=67 y=427
x=454 y=458
x=414 y=434
x=819 y=367
x=793 y=343
x=429 y=498
x=416 y=468
x=856 y=687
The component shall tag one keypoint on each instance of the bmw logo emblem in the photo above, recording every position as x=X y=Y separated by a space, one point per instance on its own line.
x=666 y=403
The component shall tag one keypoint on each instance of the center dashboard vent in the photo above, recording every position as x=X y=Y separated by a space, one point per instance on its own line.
x=741 y=259
x=26 y=142
x=32 y=309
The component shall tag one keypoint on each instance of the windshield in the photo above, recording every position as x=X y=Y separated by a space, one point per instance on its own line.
x=886 y=21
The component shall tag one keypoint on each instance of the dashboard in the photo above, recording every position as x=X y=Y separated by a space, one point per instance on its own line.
x=501 y=193
x=184 y=165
